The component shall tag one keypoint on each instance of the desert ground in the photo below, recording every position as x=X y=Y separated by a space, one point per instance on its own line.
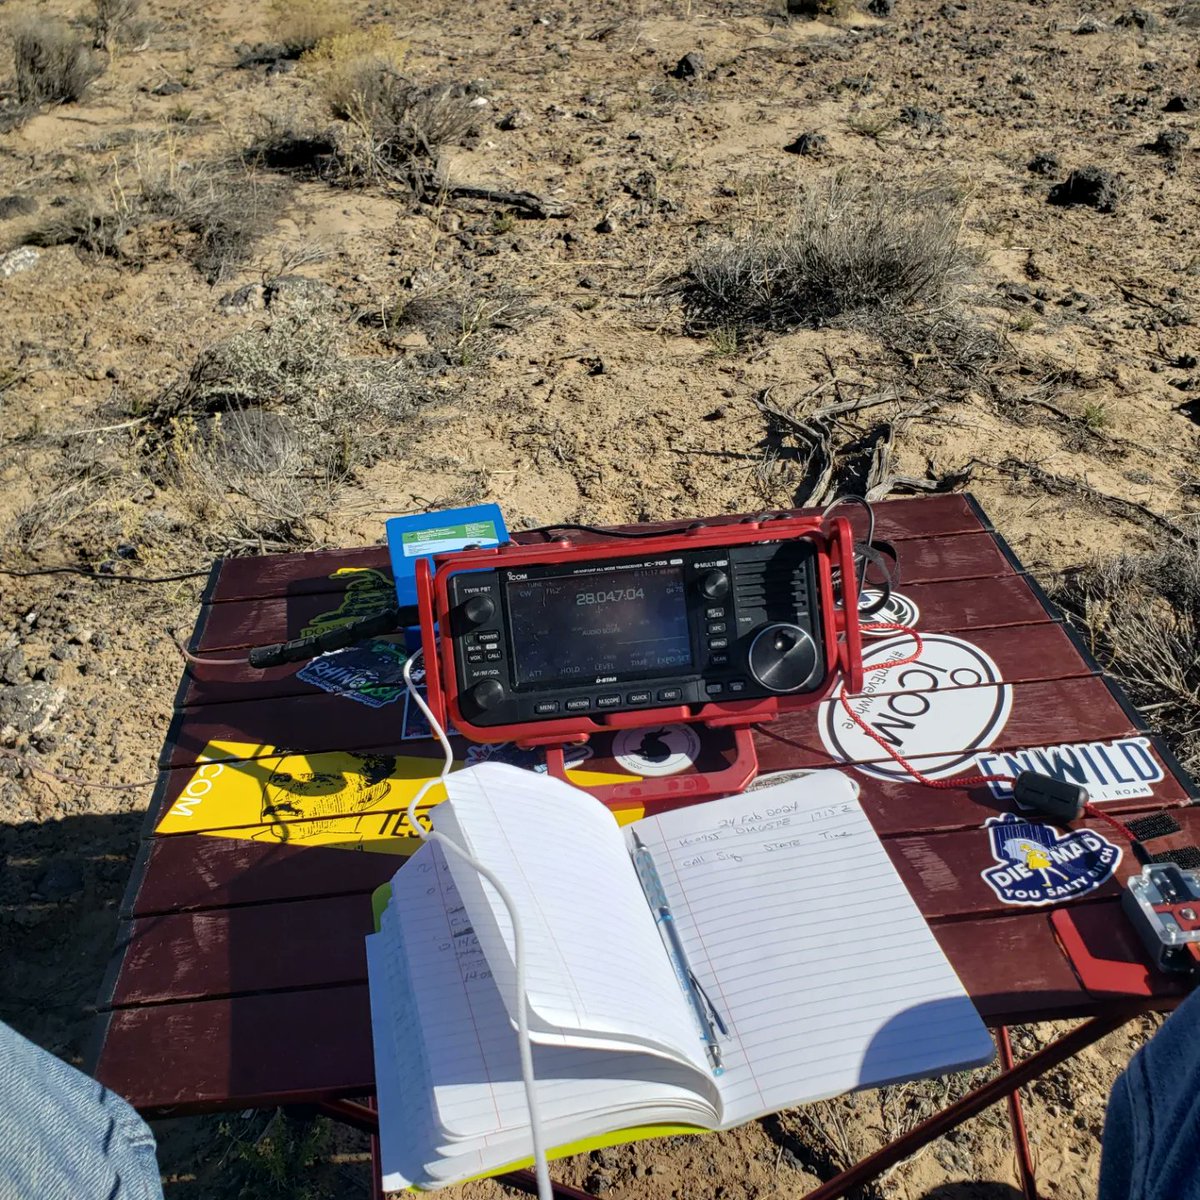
x=273 y=272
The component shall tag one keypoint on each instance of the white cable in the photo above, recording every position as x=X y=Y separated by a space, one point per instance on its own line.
x=524 y=1045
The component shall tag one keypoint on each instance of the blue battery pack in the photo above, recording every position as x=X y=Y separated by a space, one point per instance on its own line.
x=417 y=537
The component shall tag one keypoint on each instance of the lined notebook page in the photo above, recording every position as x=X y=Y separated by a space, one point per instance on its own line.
x=807 y=941
x=597 y=973
x=468 y=1048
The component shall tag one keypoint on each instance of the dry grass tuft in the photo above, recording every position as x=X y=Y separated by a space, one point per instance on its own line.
x=225 y=207
x=347 y=67
x=850 y=247
x=1141 y=614
x=53 y=64
x=271 y=424
x=119 y=21
x=299 y=25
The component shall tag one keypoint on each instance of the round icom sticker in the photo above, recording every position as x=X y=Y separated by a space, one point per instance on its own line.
x=658 y=750
x=937 y=712
x=899 y=610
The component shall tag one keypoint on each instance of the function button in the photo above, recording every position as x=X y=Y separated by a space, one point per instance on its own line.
x=638 y=698
x=608 y=701
x=544 y=708
x=716 y=627
x=720 y=659
x=714 y=689
x=666 y=694
x=737 y=685
x=474 y=656
x=494 y=656
x=578 y=704
x=715 y=613
x=491 y=635
x=718 y=643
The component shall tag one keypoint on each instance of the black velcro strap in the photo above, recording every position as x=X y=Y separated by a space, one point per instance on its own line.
x=1187 y=858
x=1153 y=825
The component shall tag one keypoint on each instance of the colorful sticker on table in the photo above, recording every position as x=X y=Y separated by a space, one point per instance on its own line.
x=937 y=712
x=899 y=610
x=1038 y=865
x=333 y=799
x=368 y=592
x=415 y=725
x=1124 y=769
x=656 y=750
x=371 y=673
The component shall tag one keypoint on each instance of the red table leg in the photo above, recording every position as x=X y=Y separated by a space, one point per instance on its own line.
x=1016 y=1119
x=975 y=1102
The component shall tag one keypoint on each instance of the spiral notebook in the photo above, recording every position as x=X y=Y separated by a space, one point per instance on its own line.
x=793 y=920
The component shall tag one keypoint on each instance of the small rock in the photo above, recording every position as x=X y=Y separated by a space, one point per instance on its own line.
x=288 y=288
x=517 y=119
x=921 y=119
x=282 y=66
x=17 y=205
x=1043 y=164
x=881 y=8
x=12 y=666
x=607 y=225
x=18 y=260
x=29 y=708
x=595 y=365
x=168 y=87
x=65 y=652
x=1091 y=186
x=245 y=299
x=1138 y=18
x=597 y=1183
x=689 y=66
x=811 y=145
x=1170 y=143
x=1176 y=104
x=1017 y=292
x=47 y=674
x=62 y=878
x=1090 y=24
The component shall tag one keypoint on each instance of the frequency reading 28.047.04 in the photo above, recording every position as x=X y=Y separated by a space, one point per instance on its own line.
x=614 y=597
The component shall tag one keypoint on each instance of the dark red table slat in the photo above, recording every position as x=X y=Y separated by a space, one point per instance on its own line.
x=252 y=1052
x=194 y=871
x=230 y=951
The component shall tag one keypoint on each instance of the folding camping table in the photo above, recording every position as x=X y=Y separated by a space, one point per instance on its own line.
x=239 y=976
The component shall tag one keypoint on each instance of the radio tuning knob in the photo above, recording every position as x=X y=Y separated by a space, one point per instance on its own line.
x=782 y=657
x=479 y=609
x=486 y=694
x=715 y=585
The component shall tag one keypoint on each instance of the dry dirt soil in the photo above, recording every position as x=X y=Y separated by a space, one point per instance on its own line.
x=395 y=350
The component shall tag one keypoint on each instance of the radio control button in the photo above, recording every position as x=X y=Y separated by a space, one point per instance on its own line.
x=718 y=643
x=608 y=701
x=715 y=613
x=714 y=689
x=544 y=708
x=479 y=609
x=737 y=685
x=638 y=698
x=487 y=693
x=720 y=659
x=669 y=694
x=474 y=656
x=491 y=635
x=717 y=627
x=494 y=656
x=578 y=704
x=715 y=585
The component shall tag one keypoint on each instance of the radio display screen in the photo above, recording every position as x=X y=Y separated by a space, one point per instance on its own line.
x=571 y=628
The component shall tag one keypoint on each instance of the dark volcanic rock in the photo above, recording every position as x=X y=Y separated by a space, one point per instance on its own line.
x=1170 y=143
x=1043 y=164
x=1180 y=103
x=812 y=145
x=17 y=205
x=689 y=66
x=881 y=8
x=1091 y=186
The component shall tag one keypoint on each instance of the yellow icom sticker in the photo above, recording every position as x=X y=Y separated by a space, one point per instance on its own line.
x=335 y=799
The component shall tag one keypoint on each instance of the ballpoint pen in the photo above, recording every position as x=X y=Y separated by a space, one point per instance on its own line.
x=706 y=1014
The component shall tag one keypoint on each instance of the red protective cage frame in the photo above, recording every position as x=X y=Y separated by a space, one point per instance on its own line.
x=841 y=638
